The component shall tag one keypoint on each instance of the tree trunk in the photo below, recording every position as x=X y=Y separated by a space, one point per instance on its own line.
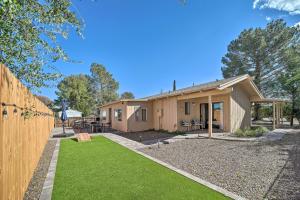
x=257 y=81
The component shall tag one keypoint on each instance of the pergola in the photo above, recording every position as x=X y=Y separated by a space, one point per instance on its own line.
x=277 y=105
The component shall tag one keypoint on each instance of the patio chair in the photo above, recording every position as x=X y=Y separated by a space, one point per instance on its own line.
x=196 y=123
x=185 y=124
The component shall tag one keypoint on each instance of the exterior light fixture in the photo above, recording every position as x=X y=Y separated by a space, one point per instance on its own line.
x=4 y=112
x=15 y=110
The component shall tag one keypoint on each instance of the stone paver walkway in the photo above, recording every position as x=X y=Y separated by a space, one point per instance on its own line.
x=49 y=181
x=123 y=141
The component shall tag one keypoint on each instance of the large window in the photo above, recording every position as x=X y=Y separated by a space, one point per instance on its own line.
x=103 y=114
x=144 y=114
x=136 y=113
x=187 y=108
x=118 y=114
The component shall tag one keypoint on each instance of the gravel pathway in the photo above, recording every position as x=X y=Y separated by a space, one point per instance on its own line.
x=287 y=183
x=254 y=170
x=36 y=183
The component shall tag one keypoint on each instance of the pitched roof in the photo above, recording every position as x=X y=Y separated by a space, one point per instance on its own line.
x=220 y=84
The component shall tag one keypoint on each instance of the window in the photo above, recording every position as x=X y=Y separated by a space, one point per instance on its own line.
x=187 y=108
x=136 y=112
x=118 y=114
x=103 y=114
x=144 y=114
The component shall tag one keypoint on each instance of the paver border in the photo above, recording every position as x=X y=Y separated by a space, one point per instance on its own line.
x=183 y=173
x=46 y=193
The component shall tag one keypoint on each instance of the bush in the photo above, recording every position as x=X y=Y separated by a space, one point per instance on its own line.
x=251 y=132
x=239 y=133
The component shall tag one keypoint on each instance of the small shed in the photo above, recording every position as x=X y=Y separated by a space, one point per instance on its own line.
x=72 y=113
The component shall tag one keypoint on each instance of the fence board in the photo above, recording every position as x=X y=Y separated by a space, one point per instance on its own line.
x=22 y=140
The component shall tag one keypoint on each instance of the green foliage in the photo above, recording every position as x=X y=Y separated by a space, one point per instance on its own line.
x=127 y=95
x=102 y=169
x=85 y=93
x=28 y=38
x=251 y=132
x=239 y=133
x=48 y=102
x=103 y=84
x=76 y=89
x=288 y=79
x=266 y=111
x=257 y=52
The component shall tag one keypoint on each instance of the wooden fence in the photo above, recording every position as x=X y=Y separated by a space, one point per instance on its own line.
x=25 y=125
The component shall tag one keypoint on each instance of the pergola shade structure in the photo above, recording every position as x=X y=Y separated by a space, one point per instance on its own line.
x=277 y=109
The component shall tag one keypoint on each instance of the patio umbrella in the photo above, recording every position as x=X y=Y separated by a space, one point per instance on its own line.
x=63 y=116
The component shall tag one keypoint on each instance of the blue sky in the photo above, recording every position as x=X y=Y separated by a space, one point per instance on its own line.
x=146 y=44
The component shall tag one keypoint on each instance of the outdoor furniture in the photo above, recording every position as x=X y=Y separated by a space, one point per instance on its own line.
x=105 y=126
x=95 y=127
x=196 y=123
x=185 y=124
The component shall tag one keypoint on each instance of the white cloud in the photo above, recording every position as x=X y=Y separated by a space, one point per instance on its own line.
x=297 y=25
x=255 y=3
x=268 y=18
x=290 y=6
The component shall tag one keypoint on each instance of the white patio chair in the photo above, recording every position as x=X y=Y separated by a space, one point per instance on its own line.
x=185 y=124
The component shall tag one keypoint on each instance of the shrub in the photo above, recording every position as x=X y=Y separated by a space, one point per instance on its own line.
x=251 y=132
x=239 y=133
x=259 y=131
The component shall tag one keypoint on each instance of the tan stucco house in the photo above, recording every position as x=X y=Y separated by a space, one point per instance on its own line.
x=223 y=104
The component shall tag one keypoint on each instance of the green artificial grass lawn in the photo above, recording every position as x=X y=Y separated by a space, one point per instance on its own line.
x=102 y=169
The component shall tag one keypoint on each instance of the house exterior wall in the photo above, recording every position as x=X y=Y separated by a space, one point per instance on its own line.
x=195 y=109
x=240 y=113
x=115 y=124
x=165 y=114
x=135 y=123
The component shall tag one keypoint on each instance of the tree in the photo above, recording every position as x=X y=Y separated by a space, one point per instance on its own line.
x=288 y=80
x=28 y=38
x=127 y=95
x=257 y=52
x=103 y=84
x=48 y=102
x=174 y=85
x=76 y=89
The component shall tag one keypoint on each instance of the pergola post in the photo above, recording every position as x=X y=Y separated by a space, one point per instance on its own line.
x=281 y=114
x=274 y=113
x=209 y=116
x=278 y=115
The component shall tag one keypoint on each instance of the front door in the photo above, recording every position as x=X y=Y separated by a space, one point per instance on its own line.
x=204 y=113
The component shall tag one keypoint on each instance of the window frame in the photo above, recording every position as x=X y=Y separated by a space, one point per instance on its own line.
x=102 y=116
x=187 y=108
x=146 y=114
x=136 y=113
x=118 y=114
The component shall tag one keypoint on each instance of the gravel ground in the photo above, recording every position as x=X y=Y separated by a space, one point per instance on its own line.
x=36 y=183
x=146 y=137
x=255 y=170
